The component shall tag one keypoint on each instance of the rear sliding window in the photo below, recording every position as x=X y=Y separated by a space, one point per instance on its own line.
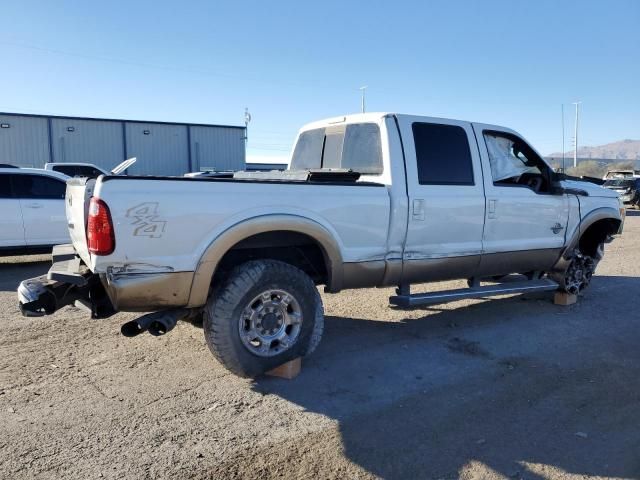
x=443 y=154
x=354 y=147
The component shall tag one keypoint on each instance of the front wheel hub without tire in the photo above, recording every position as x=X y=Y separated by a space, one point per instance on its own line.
x=579 y=273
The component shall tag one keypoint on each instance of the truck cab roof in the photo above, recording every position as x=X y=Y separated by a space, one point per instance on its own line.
x=378 y=116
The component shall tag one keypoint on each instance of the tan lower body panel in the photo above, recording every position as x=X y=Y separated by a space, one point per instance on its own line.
x=148 y=292
x=522 y=261
x=145 y=292
x=437 y=269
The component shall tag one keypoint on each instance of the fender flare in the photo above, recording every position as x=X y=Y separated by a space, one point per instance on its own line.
x=220 y=245
x=602 y=213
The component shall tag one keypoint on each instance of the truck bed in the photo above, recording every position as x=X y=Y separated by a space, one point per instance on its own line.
x=168 y=222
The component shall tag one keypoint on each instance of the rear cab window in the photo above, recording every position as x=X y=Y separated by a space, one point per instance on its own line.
x=355 y=147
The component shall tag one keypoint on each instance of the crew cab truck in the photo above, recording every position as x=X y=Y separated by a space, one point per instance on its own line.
x=369 y=200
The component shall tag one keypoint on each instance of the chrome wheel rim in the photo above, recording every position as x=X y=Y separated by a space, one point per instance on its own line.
x=270 y=323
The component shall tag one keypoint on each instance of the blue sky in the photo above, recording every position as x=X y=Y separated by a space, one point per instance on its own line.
x=506 y=62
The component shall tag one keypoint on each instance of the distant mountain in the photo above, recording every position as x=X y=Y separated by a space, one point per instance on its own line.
x=621 y=150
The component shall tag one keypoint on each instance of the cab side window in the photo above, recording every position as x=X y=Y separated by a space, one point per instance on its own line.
x=38 y=186
x=442 y=154
x=514 y=163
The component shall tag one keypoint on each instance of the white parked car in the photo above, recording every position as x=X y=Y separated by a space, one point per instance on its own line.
x=32 y=212
x=371 y=200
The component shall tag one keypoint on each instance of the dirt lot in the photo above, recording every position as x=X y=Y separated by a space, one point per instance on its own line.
x=510 y=387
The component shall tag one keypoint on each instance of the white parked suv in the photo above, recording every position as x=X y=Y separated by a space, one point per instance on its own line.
x=370 y=200
x=32 y=212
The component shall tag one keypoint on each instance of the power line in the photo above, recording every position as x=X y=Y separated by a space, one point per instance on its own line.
x=119 y=60
x=218 y=73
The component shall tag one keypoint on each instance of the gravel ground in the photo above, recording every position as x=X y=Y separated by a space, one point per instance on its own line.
x=513 y=387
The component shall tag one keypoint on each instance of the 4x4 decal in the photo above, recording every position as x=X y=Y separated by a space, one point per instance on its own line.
x=146 y=220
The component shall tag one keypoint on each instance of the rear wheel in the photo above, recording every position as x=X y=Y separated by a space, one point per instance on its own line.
x=266 y=313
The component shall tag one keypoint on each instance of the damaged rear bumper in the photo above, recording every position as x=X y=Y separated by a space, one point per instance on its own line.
x=69 y=281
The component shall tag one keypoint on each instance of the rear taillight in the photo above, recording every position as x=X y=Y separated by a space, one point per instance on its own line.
x=100 y=236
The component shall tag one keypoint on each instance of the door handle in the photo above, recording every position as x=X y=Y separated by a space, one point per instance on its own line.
x=418 y=209
x=34 y=205
x=492 y=208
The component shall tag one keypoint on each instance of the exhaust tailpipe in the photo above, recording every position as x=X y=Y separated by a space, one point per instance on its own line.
x=166 y=320
x=136 y=327
x=157 y=323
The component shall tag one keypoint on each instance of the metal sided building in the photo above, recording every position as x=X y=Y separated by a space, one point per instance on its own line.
x=162 y=148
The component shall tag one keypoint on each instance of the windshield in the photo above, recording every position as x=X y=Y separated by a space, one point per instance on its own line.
x=619 y=183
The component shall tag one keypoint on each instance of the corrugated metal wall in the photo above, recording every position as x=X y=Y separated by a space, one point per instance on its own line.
x=87 y=141
x=217 y=149
x=161 y=148
x=24 y=141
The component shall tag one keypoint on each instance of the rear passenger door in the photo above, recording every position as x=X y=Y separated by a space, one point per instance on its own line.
x=42 y=203
x=446 y=200
x=11 y=228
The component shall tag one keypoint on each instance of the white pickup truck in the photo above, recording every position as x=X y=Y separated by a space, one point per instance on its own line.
x=369 y=200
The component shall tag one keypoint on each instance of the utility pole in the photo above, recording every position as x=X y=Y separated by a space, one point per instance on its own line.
x=363 y=89
x=563 y=138
x=575 y=136
x=247 y=119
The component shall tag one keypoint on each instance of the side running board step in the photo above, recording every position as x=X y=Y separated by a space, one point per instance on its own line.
x=443 y=296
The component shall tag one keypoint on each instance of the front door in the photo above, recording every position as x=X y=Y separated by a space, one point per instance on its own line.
x=446 y=200
x=526 y=222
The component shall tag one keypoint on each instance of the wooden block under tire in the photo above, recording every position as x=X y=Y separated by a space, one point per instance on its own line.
x=564 y=298
x=288 y=370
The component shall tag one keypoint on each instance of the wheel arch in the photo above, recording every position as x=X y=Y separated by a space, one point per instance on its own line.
x=603 y=221
x=594 y=228
x=255 y=226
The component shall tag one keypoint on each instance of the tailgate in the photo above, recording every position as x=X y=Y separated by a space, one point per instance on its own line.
x=79 y=192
